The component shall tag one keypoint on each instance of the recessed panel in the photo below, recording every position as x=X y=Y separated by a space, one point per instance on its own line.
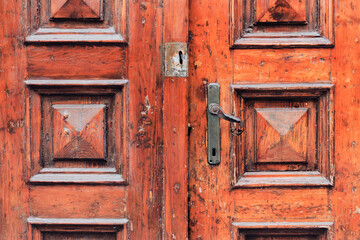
x=282 y=230
x=288 y=137
x=78 y=236
x=79 y=131
x=280 y=11
x=75 y=21
x=288 y=237
x=281 y=23
x=75 y=9
x=281 y=134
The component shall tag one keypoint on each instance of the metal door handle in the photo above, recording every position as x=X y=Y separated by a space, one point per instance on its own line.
x=216 y=110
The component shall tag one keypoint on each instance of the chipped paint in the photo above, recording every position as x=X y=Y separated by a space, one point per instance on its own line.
x=176 y=59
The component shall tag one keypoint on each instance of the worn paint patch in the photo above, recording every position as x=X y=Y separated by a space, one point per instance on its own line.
x=176 y=59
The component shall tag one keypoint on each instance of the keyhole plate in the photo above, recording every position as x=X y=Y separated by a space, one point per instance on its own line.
x=176 y=59
x=213 y=126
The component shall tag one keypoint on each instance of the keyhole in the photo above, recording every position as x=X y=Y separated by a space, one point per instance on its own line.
x=214 y=152
x=180 y=57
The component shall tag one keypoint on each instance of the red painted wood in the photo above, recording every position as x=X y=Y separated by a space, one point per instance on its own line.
x=158 y=184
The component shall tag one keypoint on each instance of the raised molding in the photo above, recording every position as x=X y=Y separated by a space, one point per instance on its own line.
x=316 y=28
x=112 y=94
x=287 y=225
x=319 y=172
x=105 y=23
x=105 y=227
x=54 y=35
x=241 y=230
x=85 y=178
x=75 y=83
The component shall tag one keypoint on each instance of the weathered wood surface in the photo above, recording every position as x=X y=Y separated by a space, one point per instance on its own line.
x=345 y=197
x=214 y=204
x=145 y=192
x=176 y=111
x=167 y=157
x=14 y=207
x=92 y=70
x=76 y=62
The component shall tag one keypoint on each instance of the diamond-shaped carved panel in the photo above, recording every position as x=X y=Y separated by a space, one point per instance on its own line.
x=79 y=131
x=281 y=134
x=76 y=9
x=276 y=11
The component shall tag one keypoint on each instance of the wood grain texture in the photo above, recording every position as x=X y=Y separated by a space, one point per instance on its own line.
x=345 y=64
x=68 y=202
x=145 y=191
x=282 y=179
x=272 y=205
x=211 y=207
x=153 y=146
x=176 y=157
x=288 y=143
x=76 y=21
x=77 y=228
x=176 y=119
x=110 y=83
x=78 y=236
x=282 y=230
x=289 y=11
x=77 y=221
x=289 y=66
x=14 y=193
x=79 y=131
x=76 y=9
x=288 y=127
x=84 y=178
x=281 y=24
x=81 y=62
x=214 y=205
x=78 y=107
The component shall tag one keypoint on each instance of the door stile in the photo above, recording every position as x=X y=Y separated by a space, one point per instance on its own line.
x=176 y=108
x=146 y=120
x=13 y=190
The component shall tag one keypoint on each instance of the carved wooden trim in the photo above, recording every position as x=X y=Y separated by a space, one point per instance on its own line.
x=76 y=83
x=246 y=31
x=320 y=173
x=107 y=25
x=54 y=35
x=282 y=179
x=78 y=221
x=322 y=230
x=40 y=226
x=84 y=178
x=114 y=169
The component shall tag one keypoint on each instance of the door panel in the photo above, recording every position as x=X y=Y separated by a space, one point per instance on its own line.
x=274 y=68
x=82 y=135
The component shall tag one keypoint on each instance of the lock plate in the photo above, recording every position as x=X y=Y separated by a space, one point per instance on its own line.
x=213 y=125
x=176 y=59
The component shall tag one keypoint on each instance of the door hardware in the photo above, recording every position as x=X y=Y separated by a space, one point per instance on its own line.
x=213 y=125
x=214 y=114
x=216 y=110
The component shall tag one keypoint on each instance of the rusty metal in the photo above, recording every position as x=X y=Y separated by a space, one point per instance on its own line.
x=216 y=110
x=214 y=146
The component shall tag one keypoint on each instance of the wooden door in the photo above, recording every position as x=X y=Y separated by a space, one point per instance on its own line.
x=289 y=70
x=104 y=129
x=81 y=119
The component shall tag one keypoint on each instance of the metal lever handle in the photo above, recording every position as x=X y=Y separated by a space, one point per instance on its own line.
x=216 y=110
